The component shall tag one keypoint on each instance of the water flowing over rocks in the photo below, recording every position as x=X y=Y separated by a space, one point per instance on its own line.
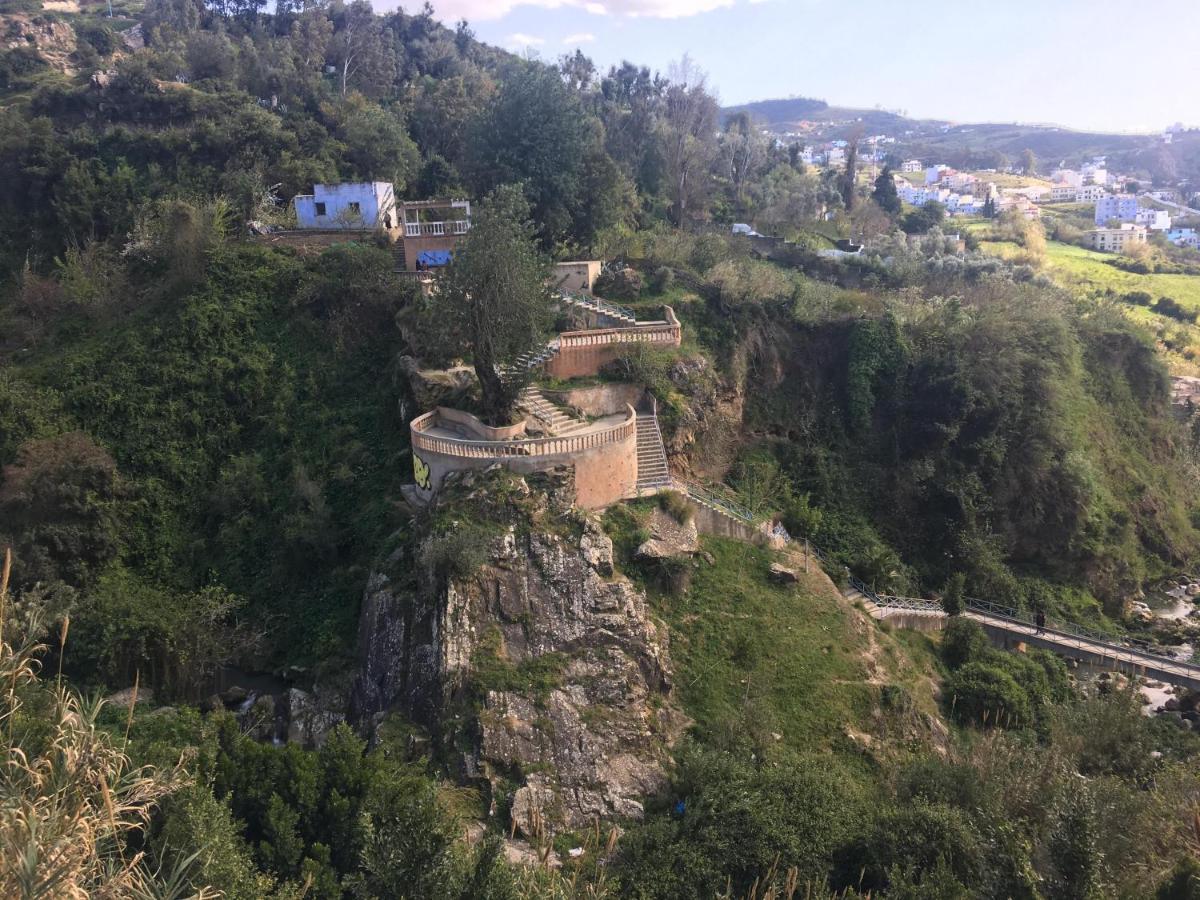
x=540 y=672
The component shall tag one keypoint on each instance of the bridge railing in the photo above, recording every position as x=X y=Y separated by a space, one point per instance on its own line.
x=1079 y=634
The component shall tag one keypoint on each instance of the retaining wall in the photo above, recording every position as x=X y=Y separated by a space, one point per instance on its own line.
x=598 y=399
x=584 y=353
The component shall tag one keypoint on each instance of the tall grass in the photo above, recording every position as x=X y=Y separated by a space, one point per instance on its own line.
x=71 y=805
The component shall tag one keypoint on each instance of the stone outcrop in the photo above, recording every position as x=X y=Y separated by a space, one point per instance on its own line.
x=541 y=669
x=669 y=538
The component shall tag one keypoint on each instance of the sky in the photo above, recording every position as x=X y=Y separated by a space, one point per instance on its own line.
x=1104 y=65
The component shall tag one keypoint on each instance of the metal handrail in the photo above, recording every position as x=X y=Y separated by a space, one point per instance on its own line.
x=600 y=305
x=1078 y=633
x=1069 y=630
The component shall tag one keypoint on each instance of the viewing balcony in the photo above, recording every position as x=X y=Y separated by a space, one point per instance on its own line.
x=436 y=229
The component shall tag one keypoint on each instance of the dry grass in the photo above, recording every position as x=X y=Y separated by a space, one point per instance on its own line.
x=69 y=800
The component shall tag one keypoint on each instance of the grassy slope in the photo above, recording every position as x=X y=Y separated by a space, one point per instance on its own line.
x=755 y=657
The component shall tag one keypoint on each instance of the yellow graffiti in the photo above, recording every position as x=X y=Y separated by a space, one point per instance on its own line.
x=421 y=472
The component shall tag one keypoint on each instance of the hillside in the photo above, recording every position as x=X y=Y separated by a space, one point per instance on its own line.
x=405 y=571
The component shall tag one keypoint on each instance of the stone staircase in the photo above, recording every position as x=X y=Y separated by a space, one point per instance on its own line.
x=652 y=471
x=553 y=418
x=609 y=315
x=534 y=359
x=399 y=261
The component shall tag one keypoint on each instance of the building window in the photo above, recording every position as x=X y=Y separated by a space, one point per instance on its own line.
x=319 y=208
x=354 y=209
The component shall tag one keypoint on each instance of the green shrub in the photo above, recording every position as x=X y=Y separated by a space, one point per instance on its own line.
x=662 y=279
x=677 y=506
x=963 y=641
x=984 y=694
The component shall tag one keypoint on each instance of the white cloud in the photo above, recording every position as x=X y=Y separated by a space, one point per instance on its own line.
x=482 y=10
x=525 y=40
x=574 y=40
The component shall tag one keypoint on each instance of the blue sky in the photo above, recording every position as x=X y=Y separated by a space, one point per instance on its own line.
x=1102 y=65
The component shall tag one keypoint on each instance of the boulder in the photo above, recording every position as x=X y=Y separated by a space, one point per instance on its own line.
x=124 y=699
x=596 y=547
x=781 y=574
x=669 y=538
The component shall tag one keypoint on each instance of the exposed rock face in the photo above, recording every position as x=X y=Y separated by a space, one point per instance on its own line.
x=708 y=433
x=436 y=387
x=566 y=676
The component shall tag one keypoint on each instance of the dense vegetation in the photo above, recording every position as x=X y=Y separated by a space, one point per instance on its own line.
x=202 y=441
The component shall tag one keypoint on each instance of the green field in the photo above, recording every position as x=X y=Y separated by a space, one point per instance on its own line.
x=1089 y=275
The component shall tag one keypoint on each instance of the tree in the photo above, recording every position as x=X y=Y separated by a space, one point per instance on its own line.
x=989 y=207
x=954 y=594
x=536 y=133
x=744 y=150
x=885 y=194
x=495 y=298
x=688 y=128
x=847 y=182
x=360 y=52
x=59 y=508
x=1028 y=162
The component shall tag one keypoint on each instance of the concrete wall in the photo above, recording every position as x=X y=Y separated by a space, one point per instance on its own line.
x=709 y=521
x=375 y=199
x=577 y=276
x=599 y=399
x=582 y=362
x=414 y=245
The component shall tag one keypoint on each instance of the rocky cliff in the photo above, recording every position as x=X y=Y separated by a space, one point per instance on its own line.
x=501 y=625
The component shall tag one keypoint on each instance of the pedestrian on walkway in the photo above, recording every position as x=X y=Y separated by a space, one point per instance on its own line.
x=1040 y=619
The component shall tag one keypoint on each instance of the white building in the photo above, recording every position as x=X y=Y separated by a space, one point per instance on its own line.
x=1154 y=219
x=361 y=205
x=835 y=157
x=1063 y=193
x=1091 y=193
x=1116 y=240
x=1119 y=207
x=911 y=165
x=1094 y=173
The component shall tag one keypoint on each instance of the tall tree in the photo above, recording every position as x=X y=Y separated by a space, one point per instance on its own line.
x=1028 y=162
x=885 y=192
x=689 y=127
x=535 y=133
x=744 y=150
x=362 y=55
x=495 y=298
x=849 y=176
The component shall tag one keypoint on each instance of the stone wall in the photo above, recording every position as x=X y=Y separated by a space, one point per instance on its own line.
x=598 y=399
x=578 y=276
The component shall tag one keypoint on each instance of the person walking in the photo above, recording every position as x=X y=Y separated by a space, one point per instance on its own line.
x=1040 y=619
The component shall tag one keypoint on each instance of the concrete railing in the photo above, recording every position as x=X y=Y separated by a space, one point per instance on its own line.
x=508 y=449
x=436 y=229
x=668 y=332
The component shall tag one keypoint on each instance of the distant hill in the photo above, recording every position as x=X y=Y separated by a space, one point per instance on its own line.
x=959 y=143
x=779 y=112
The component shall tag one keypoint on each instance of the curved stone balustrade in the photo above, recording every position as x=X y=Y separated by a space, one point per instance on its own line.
x=523 y=448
